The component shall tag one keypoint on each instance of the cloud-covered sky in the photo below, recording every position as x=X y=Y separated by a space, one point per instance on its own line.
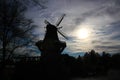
x=100 y=17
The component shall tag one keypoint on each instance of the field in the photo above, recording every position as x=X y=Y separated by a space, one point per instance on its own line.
x=112 y=75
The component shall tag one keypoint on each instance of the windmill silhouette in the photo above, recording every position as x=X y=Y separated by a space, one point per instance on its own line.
x=51 y=46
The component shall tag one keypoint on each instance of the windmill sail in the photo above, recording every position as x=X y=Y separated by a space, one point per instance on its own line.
x=57 y=24
x=62 y=34
x=60 y=20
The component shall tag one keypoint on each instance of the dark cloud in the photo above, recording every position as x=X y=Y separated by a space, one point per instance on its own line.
x=100 y=41
x=114 y=31
x=116 y=37
x=108 y=47
x=101 y=16
x=115 y=27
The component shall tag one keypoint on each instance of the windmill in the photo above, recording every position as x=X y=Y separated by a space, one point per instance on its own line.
x=51 y=45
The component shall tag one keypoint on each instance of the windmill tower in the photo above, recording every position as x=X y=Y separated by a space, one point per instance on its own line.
x=51 y=46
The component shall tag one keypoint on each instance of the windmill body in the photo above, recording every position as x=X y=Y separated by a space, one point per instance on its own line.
x=51 y=46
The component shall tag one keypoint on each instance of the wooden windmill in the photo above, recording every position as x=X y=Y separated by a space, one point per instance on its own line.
x=51 y=45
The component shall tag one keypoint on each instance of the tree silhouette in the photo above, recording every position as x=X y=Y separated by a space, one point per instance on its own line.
x=15 y=28
x=115 y=61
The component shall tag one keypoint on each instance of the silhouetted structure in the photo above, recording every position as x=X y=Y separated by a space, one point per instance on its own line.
x=51 y=46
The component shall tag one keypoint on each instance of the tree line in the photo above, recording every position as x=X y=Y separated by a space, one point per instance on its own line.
x=92 y=64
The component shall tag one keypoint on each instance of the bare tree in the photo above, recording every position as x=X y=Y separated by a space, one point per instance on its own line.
x=15 y=28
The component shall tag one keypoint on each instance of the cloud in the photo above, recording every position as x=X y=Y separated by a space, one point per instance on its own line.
x=100 y=16
x=109 y=47
x=112 y=49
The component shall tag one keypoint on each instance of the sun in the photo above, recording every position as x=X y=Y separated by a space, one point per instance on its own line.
x=83 y=33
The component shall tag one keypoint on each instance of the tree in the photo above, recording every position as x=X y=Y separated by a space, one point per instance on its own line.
x=15 y=28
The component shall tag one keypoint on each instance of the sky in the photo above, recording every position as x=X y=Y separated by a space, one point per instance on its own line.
x=89 y=24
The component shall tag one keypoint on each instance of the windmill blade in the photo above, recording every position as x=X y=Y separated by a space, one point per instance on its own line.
x=46 y=22
x=60 y=20
x=62 y=34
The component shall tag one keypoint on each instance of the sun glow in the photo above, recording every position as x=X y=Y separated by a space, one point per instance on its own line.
x=82 y=37
x=83 y=33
